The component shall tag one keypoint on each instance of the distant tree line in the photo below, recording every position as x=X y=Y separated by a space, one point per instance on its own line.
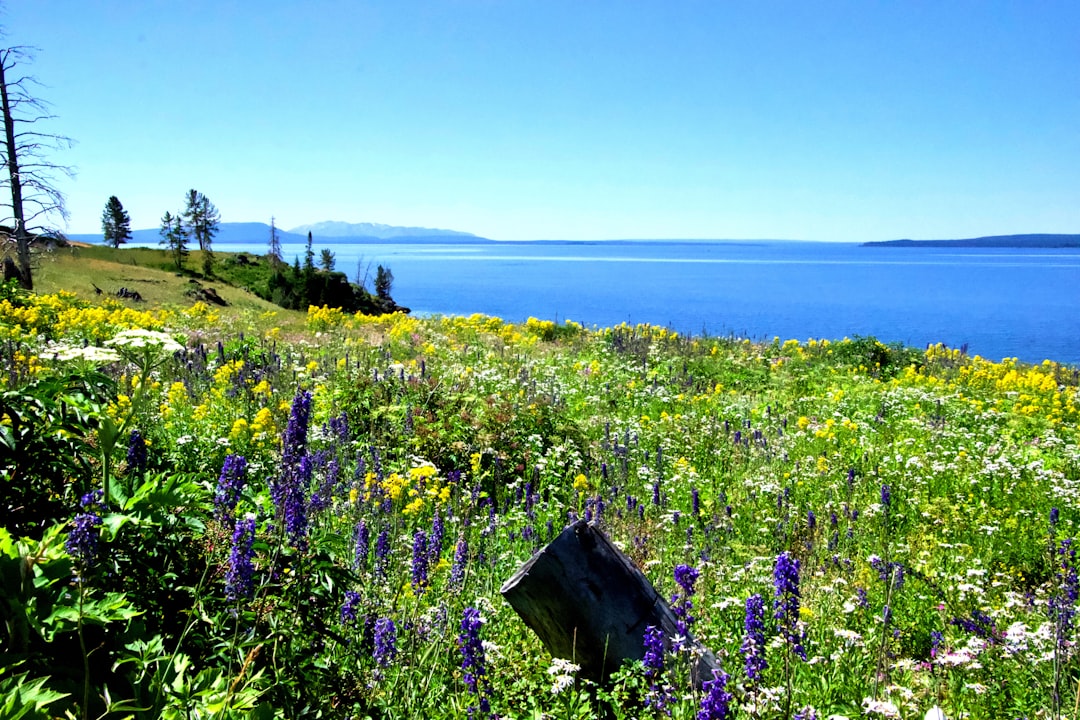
x=293 y=286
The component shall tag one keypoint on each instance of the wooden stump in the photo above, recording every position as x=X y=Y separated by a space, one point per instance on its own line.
x=589 y=603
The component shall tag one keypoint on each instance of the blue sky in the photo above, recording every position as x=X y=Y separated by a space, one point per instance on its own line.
x=553 y=119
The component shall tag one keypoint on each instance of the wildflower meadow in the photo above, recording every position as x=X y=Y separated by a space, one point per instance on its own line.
x=244 y=515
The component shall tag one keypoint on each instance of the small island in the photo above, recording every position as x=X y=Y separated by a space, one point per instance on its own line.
x=991 y=241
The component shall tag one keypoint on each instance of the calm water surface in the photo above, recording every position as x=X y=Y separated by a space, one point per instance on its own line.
x=998 y=302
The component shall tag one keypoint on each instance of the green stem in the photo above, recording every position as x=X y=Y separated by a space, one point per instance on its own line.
x=85 y=655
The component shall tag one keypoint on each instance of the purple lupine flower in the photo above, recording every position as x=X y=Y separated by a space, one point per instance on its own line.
x=695 y=502
x=473 y=662
x=811 y=520
x=461 y=557
x=979 y=624
x=230 y=485
x=82 y=541
x=362 y=546
x=294 y=439
x=936 y=638
x=682 y=605
x=886 y=498
x=435 y=540
x=786 y=602
x=715 y=705
x=685 y=577
x=295 y=506
x=1054 y=515
x=1063 y=601
x=385 y=642
x=753 y=645
x=240 y=576
x=654 y=667
x=348 y=608
x=323 y=496
x=382 y=551
x=289 y=490
x=420 y=562
x=136 y=454
x=339 y=427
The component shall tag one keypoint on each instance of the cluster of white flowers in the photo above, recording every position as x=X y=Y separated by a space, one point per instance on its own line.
x=562 y=672
x=89 y=353
x=139 y=338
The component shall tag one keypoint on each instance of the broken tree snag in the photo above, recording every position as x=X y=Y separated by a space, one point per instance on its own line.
x=587 y=602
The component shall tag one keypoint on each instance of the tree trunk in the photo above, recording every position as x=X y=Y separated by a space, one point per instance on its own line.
x=589 y=603
x=22 y=237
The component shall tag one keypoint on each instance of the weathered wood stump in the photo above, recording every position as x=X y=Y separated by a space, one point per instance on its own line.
x=588 y=602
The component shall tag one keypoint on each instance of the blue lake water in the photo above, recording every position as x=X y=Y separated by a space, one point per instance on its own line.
x=997 y=302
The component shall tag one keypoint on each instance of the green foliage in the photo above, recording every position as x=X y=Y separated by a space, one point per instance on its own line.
x=115 y=223
x=384 y=282
x=201 y=219
x=22 y=697
x=44 y=430
x=174 y=237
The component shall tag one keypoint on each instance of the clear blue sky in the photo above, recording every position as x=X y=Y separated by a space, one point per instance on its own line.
x=594 y=119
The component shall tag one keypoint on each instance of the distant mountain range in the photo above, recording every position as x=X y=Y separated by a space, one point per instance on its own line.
x=336 y=229
x=335 y=232
x=1001 y=241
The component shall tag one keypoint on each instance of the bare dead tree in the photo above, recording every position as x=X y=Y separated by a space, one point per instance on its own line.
x=36 y=204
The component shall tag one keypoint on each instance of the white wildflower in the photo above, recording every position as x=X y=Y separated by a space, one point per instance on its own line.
x=562 y=672
x=880 y=707
x=139 y=338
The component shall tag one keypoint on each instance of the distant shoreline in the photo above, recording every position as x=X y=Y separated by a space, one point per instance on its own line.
x=991 y=241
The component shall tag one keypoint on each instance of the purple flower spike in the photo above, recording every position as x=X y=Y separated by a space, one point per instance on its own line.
x=239 y=578
x=230 y=485
x=717 y=701
x=786 y=603
x=753 y=646
x=385 y=642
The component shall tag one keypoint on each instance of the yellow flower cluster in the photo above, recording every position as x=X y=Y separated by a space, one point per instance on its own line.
x=203 y=313
x=321 y=319
x=416 y=488
x=100 y=323
x=62 y=314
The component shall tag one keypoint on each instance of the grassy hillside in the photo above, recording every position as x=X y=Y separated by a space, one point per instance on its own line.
x=148 y=271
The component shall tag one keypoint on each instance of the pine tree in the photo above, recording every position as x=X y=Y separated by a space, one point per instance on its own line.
x=309 y=257
x=115 y=223
x=201 y=222
x=384 y=281
x=326 y=260
x=174 y=237
x=275 y=245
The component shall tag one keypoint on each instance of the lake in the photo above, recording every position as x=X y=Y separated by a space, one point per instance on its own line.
x=997 y=302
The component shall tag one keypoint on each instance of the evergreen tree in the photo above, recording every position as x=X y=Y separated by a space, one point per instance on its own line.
x=309 y=257
x=115 y=223
x=384 y=281
x=174 y=237
x=326 y=260
x=201 y=222
x=275 y=245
